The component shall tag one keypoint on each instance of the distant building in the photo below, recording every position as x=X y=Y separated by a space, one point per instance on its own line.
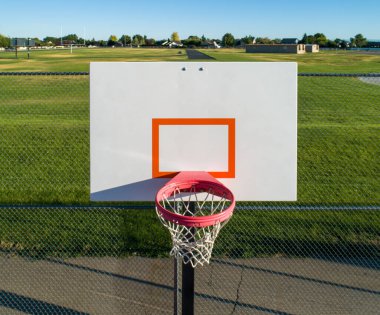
x=373 y=44
x=171 y=44
x=67 y=42
x=293 y=41
x=209 y=44
x=277 y=48
x=312 y=48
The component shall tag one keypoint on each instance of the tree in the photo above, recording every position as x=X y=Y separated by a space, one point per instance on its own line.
x=4 y=41
x=160 y=42
x=37 y=41
x=228 y=40
x=138 y=40
x=193 y=40
x=317 y=38
x=263 y=40
x=304 y=39
x=345 y=44
x=341 y=43
x=92 y=42
x=175 y=37
x=150 y=41
x=320 y=39
x=112 y=40
x=71 y=37
x=359 y=40
x=125 y=40
x=50 y=41
x=102 y=43
x=310 y=39
x=247 y=40
x=331 y=44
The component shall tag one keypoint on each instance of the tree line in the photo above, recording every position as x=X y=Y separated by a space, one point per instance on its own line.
x=228 y=40
x=319 y=38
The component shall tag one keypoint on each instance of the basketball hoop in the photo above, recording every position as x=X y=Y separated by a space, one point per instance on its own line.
x=194 y=206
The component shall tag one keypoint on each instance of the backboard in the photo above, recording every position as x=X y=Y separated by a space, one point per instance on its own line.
x=237 y=121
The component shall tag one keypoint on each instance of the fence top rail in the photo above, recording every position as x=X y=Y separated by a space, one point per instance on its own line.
x=85 y=73
x=339 y=74
x=239 y=207
x=43 y=73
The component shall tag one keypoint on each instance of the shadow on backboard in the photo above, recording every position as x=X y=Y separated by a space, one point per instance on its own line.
x=139 y=191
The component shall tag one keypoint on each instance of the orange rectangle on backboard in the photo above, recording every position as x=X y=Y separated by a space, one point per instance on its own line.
x=157 y=122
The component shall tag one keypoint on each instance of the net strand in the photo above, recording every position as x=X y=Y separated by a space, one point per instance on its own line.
x=193 y=245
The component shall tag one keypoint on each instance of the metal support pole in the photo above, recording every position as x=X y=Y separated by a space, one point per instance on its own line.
x=188 y=279
x=175 y=306
x=187 y=289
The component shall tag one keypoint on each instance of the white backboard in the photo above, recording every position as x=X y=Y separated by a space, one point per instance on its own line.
x=236 y=120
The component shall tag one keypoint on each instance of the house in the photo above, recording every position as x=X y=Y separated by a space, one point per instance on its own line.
x=276 y=48
x=373 y=44
x=312 y=48
x=210 y=44
x=171 y=44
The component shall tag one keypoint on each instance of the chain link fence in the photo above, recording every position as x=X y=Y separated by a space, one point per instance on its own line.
x=61 y=254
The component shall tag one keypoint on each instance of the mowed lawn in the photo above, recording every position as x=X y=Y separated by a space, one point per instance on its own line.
x=68 y=232
x=324 y=61
x=79 y=60
x=44 y=140
x=63 y=60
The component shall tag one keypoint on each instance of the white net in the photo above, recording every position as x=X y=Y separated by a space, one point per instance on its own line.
x=193 y=244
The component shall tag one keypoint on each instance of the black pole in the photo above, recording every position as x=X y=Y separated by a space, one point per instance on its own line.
x=187 y=289
x=175 y=306
x=188 y=278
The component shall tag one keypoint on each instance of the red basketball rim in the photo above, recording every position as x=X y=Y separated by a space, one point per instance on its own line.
x=199 y=186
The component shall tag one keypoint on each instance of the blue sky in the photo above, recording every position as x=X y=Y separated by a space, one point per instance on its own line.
x=158 y=19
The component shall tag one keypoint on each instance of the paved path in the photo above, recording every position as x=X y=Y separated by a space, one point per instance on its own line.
x=196 y=54
x=138 y=285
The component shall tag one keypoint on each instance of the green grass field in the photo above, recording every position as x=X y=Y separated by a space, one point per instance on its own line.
x=63 y=60
x=44 y=159
x=79 y=60
x=44 y=140
x=324 y=61
x=53 y=232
